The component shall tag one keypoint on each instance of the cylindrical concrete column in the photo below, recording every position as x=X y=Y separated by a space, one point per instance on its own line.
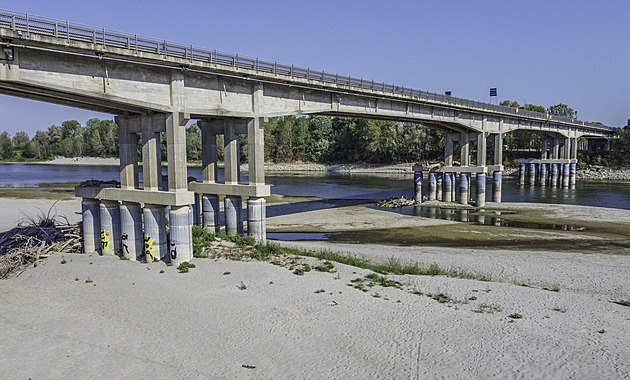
x=417 y=182
x=521 y=174
x=180 y=249
x=453 y=185
x=439 y=178
x=463 y=188
x=497 y=184
x=532 y=174
x=131 y=239
x=481 y=189
x=256 y=218
x=432 y=186
x=565 y=175
x=110 y=227
x=448 y=187
x=155 y=247
x=554 y=175
x=572 y=173
x=543 y=174
x=210 y=205
x=91 y=220
x=233 y=206
x=191 y=222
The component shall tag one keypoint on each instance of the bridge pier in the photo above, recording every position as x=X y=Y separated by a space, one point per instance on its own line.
x=91 y=222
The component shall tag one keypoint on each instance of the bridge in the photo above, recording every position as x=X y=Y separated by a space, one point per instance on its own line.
x=155 y=87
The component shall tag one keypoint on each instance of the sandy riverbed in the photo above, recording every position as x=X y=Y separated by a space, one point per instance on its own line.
x=100 y=317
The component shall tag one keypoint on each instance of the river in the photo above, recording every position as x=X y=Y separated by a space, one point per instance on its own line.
x=369 y=186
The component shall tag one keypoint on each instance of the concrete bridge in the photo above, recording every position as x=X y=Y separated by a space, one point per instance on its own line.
x=155 y=87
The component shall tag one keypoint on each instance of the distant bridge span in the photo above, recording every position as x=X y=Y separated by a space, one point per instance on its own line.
x=156 y=86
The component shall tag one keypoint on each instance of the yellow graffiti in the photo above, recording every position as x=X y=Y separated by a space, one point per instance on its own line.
x=148 y=248
x=106 y=241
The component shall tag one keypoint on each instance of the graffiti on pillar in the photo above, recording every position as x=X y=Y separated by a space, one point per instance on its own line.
x=105 y=241
x=123 y=244
x=148 y=248
x=173 y=251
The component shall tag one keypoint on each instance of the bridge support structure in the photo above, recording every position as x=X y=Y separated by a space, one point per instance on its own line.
x=556 y=167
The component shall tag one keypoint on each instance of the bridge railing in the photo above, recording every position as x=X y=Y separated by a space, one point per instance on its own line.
x=28 y=24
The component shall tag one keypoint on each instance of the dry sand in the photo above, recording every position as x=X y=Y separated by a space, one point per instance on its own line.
x=132 y=321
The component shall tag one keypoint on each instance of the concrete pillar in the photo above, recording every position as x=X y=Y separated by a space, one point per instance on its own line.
x=256 y=150
x=91 y=220
x=417 y=181
x=498 y=149
x=448 y=149
x=543 y=148
x=151 y=150
x=155 y=245
x=555 y=149
x=572 y=173
x=233 y=206
x=463 y=188
x=180 y=249
x=521 y=174
x=574 y=148
x=497 y=184
x=481 y=149
x=448 y=188
x=481 y=189
x=191 y=223
x=554 y=175
x=465 y=149
x=128 y=150
x=210 y=206
x=543 y=174
x=231 y=152
x=208 y=151
x=453 y=186
x=256 y=219
x=131 y=239
x=196 y=211
x=565 y=175
x=432 y=186
x=109 y=213
x=439 y=177
x=532 y=174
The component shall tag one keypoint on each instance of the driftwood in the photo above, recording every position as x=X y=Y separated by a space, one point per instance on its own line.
x=396 y=202
x=21 y=246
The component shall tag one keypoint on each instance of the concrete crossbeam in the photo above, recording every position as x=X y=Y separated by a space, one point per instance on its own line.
x=241 y=190
x=166 y=198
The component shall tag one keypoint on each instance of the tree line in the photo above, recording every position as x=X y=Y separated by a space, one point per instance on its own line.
x=319 y=139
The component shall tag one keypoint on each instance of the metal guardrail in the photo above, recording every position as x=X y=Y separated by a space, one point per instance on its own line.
x=28 y=24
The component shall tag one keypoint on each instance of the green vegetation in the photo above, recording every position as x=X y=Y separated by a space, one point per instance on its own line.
x=242 y=286
x=185 y=267
x=622 y=302
x=515 y=316
x=489 y=308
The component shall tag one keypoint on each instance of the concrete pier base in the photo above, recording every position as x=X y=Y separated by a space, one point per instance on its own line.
x=532 y=174
x=196 y=210
x=180 y=249
x=131 y=239
x=417 y=182
x=553 y=181
x=233 y=206
x=481 y=190
x=432 y=186
x=565 y=175
x=256 y=219
x=572 y=173
x=543 y=174
x=497 y=184
x=155 y=247
x=448 y=188
x=453 y=185
x=439 y=178
x=521 y=174
x=210 y=206
x=110 y=227
x=91 y=225
x=463 y=188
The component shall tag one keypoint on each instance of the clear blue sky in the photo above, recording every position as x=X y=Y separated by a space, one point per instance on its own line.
x=539 y=52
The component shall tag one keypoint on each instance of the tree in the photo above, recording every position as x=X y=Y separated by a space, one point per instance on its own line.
x=6 y=147
x=193 y=143
x=561 y=110
x=20 y=138
x=509 y=103
x=531 y=107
